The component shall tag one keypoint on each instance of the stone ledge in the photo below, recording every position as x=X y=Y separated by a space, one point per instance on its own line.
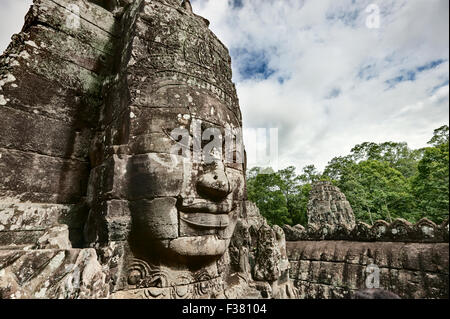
x=49 y=274
x=400 y=230
x=410 y=270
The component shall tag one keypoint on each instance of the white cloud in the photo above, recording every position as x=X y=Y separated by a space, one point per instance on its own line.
x=12 y=13
x=327 y=87
x=334 y=69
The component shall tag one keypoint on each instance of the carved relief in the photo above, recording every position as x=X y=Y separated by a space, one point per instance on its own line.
x=152 y=223
x=164 y=282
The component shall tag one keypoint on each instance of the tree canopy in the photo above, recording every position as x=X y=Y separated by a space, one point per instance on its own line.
x=381 y=181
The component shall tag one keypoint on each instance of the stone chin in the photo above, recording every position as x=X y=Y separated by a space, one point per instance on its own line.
x=163 y=234
x=191 y=252
x=200 y=246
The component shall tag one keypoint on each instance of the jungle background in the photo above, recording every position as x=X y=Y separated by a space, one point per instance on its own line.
x=381 y=181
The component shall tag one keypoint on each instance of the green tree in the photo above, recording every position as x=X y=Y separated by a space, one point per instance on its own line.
x=298 y=206
x=263 y=188
x=398 y=155
x=338 y=166
x=381 y=181
x=297 y=192
x=431 y=184
x=310 y=175
x=282 y=197
x=377 y=191
x=440 y=136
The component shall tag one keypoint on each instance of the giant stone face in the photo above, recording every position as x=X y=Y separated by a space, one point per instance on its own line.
x=183 y=159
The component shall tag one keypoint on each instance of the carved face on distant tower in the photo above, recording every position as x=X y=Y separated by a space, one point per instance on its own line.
x=184 y=203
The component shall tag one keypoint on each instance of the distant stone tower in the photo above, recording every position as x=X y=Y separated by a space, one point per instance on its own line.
x=329 y=211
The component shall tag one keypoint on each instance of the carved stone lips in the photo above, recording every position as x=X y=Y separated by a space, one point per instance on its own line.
x=205 y=220
x=205 y=214
x=202 y=206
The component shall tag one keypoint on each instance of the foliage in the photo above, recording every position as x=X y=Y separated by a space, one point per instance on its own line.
x=431 y=184
x=381 y=181
x=377 y=191
x=264 y=190
x=282 y=197
x=397 y=155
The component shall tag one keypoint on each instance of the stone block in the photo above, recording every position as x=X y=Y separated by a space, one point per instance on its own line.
x=88 y=23
x=155 y=175
x=155 y=219
x=29 y=132
x=39 y=178
x=44 y=274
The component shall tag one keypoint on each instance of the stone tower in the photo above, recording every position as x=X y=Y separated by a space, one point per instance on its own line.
x=329 y=212
x=117 y=178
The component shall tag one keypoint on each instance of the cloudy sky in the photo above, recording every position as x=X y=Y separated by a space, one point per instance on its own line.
x=328 y=74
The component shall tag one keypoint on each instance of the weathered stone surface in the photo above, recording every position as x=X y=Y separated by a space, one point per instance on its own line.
x=44 y=274
x=158 y=216
x=258 y=254
x=330 y=217
x=329 y=212
x=95 y=27
x=150 y=177
x=109 y=221
x=29 y=217
x=424 y=231
x=41 y=179
x=374 y=294
x=106 y=107
x=178 y=210
x=56 y=237
x=183 y=212
x=411 y=270
x=25 y=223
x=295 y=233
x=267 y=263
x=19 y=239
x=50 y=81
x=39 y=130
x=55 y=102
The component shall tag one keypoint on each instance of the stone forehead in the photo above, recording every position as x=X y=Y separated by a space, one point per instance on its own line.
x=175 y=47
x=173 y=107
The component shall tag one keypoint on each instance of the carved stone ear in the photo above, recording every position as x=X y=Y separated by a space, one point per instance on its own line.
x=187 y=6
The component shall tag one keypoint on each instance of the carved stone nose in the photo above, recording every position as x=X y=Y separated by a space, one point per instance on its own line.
x=214 y=185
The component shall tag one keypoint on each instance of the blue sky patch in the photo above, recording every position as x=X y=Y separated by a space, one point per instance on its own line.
x=437 y=87
x=236 y=4
x=410 y=75
x=281 y=80
x=367 y=72
x=334 y=93
x=430 y=65
x=252 y=64
x=406 y=76
x=348 y=18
